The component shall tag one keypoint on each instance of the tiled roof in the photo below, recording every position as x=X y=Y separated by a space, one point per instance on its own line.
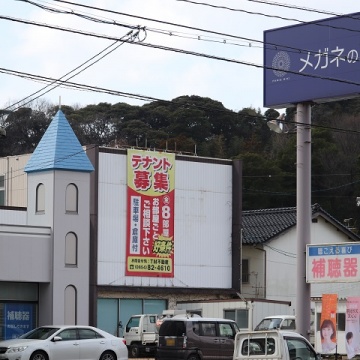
x=262 y=225
x=59 y=149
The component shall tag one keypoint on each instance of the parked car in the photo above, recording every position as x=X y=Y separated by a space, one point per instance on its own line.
x=64 y=343
x=273 y=344
x=141 y=335
x=195 y=338
x=282 y=322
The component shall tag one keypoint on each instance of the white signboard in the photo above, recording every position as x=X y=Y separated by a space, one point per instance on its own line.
x=333 y=263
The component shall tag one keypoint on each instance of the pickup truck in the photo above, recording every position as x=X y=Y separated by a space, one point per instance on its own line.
x=273 y=344
x=141 y=335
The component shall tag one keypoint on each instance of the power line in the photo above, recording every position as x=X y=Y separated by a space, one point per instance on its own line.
x=142 y=97
x=158 y=21
x=269 y=16
x=172 y=33
x=77 y=86
x=312 y=191
x=277 y=16
x=130 y=35
x=273 y=3
x=248 y=40
x=167 y=48
x=206 y=4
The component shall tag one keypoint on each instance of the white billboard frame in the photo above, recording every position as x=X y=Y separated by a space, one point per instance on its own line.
x=329 y=263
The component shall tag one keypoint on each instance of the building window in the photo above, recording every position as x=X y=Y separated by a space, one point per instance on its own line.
x=2 y=190
x=240 y=316
x=70 y=305
x=40 y=198
x=71 y=201
x=245 y=271
x=71 y=249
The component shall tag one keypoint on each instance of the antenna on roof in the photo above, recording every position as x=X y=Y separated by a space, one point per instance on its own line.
x=59 y=102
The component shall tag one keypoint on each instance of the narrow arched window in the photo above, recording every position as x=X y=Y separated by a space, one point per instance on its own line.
x=71 y=249
x=70 y=299
x=40 y=198
x=71 y=201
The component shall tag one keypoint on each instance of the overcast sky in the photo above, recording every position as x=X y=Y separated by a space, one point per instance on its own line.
x=233 y=35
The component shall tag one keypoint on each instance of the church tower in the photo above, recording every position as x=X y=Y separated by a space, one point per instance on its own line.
x=58 y=197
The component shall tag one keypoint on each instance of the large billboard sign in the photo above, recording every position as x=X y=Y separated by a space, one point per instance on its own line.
x=150 y=219
x=312 y=62
x=331 y=263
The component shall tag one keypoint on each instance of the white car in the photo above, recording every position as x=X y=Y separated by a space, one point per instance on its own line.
x=64 y=343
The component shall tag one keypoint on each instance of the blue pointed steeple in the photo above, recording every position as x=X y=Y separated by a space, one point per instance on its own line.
x=59 y=149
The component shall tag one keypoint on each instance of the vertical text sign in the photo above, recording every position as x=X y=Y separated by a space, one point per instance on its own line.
x=150 y=219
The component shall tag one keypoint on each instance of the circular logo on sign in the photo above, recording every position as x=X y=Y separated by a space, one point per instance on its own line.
x=281 y=64
x=166 y=200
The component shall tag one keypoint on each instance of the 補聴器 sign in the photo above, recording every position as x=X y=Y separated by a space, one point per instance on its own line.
x=333 y=263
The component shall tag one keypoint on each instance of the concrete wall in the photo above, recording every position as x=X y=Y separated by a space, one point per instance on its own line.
x=15 y=179
x=26 y=253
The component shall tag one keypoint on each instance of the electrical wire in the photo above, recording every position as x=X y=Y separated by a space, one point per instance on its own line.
x=172 y=33
x=136 y=96
x=77 y=86
x=280 y=17
x=191 y=1
x=294 y=193
x=282 y=252
x=166 y=48
x=222 y=40
x=108 y=51
x=274 y=3
x=176 y=50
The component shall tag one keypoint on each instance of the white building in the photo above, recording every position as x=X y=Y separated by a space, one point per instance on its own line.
x=73 y=251
x=269 y=252
x=70 y=226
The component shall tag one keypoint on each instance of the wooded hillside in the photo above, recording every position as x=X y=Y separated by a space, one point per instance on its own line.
x=204 y=127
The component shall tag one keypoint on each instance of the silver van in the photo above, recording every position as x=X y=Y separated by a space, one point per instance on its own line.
x=196 y=338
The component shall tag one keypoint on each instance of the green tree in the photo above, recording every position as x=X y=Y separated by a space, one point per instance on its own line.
x=24 y=128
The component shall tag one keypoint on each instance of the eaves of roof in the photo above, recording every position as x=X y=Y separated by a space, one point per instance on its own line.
x=260 y=226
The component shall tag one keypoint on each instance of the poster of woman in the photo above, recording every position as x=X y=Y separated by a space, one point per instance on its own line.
x=352 y=327
x=328 y=323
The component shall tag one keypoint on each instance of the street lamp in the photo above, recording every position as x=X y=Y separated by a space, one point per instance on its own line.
x=277 y=125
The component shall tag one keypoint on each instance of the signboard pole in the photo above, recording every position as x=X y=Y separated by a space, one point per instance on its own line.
x=303 y=215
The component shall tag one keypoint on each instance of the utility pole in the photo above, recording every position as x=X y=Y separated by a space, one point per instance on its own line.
x=303 y=215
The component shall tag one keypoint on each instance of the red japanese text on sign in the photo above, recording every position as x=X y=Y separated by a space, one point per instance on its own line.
x=335 y=268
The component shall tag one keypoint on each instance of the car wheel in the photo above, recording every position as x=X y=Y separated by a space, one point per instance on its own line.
x=134 y=351
x=193 y=357
x=108 y=355
x=39 y=355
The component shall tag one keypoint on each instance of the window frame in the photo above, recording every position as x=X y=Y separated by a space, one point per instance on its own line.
x=71 y=249
x=72 y=199
x=40 y=199
x=3 y=190
x=245 y=273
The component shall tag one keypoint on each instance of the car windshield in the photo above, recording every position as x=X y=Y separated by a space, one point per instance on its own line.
x=268 y=324
x=41 y=333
